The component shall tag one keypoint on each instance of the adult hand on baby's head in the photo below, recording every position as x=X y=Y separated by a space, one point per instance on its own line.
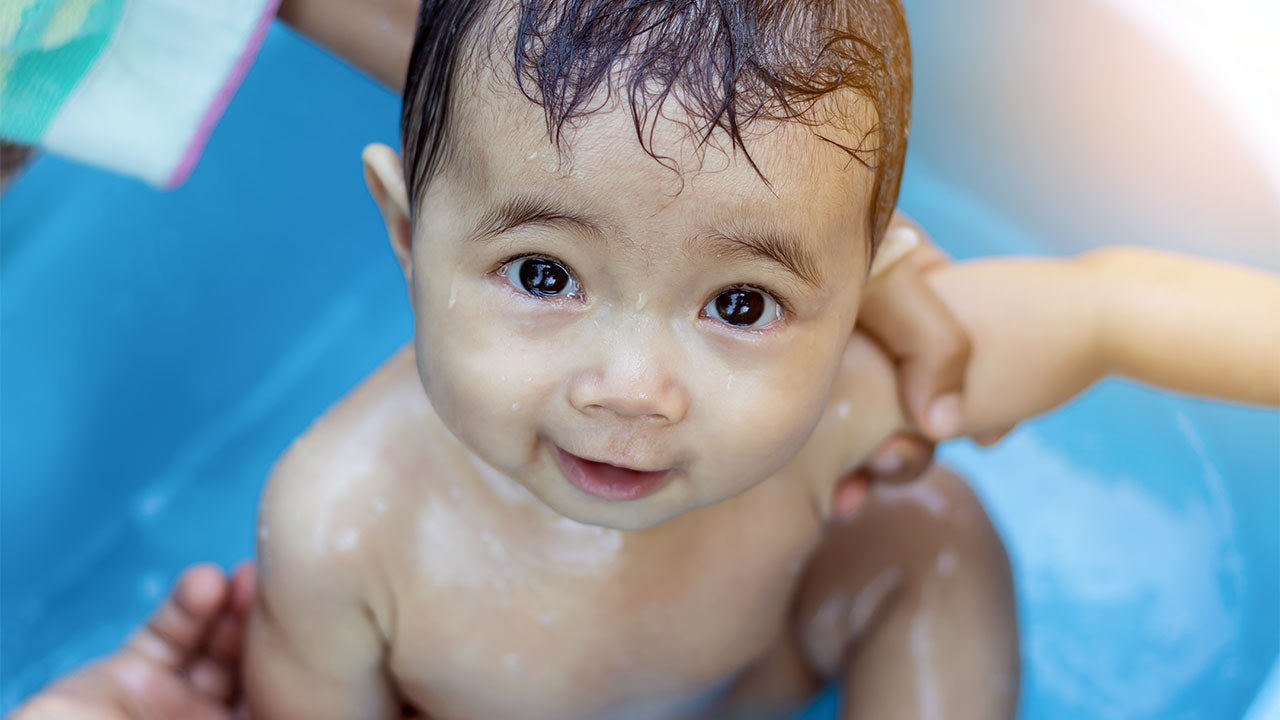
x=928 y=345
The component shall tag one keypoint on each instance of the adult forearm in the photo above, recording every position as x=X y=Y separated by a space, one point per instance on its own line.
x=373 y=35
x=1044 y=329
x=1033 y=328
x=1189 y=324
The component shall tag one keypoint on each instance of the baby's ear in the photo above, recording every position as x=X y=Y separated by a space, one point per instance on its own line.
x=385 y=178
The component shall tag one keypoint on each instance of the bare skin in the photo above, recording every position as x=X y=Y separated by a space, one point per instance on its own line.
x=400 y=568
x=183 y=663
x=423 y=543
x=929 y=348
x=482 y=603
x=875 y=609
x=435 y=539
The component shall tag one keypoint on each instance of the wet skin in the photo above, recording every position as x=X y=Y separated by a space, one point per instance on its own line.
x=428 y=541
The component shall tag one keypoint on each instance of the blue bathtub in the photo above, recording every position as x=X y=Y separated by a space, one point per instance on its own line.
x=157 y=352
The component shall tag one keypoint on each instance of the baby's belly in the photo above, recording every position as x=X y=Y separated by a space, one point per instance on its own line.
x=497 y=662
x=635 y=647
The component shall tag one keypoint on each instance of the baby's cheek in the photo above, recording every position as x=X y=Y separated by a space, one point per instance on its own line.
x=485 y=386
x=760 y=431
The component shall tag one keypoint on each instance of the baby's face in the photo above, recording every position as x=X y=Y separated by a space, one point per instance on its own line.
x=628 y=349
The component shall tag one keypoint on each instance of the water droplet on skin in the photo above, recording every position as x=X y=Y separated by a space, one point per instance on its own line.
x=828 y=610
x=844 y=410
x=134 y=675
x=347 y=540
x=920 y=640
x=453 y=294
x=515 y=407
x=728 y=382
x=870 y=598
x=640 y=301
x=946 y=561
x=533 y=155
x=493 y=544
x=380 y=505
x=921 y=495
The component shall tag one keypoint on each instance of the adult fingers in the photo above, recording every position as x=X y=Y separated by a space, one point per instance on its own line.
x=929 y=347
x=178 y=629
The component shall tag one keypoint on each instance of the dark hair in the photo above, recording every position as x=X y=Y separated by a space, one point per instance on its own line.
x=727 y=63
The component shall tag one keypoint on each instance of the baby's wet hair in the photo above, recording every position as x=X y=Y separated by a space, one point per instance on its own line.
x=726 y=63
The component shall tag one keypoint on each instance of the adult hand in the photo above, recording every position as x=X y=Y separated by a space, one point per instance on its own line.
x=183 y=663
x=925 y=341
x=928 y=345
x=375 y=37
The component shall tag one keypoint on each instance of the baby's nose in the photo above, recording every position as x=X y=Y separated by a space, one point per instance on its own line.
x=648 y=397
x=631 y=382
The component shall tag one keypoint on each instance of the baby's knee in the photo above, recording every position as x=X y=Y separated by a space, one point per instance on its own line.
x=958 y=522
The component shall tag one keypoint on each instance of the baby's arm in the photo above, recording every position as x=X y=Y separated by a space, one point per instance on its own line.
x=313 y=649
x=1043 y=330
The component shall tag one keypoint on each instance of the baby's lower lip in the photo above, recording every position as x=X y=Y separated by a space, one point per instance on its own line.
x=609 y=482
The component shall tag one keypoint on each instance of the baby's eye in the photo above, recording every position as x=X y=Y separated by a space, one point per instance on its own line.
x=744 y=308
x=540 y=277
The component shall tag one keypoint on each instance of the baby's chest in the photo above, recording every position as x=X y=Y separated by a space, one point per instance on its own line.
x=636 y=640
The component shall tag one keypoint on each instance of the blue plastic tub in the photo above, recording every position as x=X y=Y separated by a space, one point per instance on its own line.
x=158 y=351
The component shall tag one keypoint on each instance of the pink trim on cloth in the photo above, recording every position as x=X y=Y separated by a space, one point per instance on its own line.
x=223 y=98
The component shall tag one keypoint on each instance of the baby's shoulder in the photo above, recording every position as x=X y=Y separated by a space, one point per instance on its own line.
x=336 y=489
x=341 y=494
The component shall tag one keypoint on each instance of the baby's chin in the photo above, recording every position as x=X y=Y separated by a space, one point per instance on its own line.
x=629 y=516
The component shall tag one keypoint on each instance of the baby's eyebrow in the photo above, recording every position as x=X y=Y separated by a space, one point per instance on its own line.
x=770 y=245
x=531 y=209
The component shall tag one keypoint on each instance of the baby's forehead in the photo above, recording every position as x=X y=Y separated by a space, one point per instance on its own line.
x=796 y=170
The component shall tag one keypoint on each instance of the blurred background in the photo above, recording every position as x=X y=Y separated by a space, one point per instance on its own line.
x=158 y=351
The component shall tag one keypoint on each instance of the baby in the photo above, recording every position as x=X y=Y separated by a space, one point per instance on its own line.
x=600 y=482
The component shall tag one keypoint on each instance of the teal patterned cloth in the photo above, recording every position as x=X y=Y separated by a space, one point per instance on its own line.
x=46 y=47
x=134 y=86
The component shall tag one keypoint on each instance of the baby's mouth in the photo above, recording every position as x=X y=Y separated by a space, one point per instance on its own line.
x=609 y=482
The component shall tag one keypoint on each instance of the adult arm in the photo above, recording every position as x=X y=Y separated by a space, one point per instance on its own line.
x=373 y=35
x=1043 y=330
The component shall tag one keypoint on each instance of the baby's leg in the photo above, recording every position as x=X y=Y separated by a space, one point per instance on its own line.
x=910 y=604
